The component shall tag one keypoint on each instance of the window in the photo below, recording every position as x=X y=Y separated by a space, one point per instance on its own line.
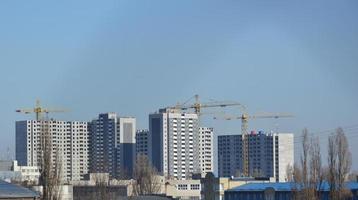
x=182 y=187
x=195 y=187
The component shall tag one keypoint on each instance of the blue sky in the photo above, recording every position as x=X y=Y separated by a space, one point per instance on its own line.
x=133 y=57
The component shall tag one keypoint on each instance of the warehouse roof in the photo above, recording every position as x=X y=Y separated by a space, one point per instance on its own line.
x=287 y=186
x=8 y=190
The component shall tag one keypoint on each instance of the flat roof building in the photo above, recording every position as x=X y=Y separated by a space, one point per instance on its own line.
x=269 y=155
x=112 y=145
x=69 y=140
x=258 y=191
x=12 y=191
x=174 y=143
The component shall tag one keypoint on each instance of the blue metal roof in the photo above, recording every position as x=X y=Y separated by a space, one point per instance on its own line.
x=287 y=186
x=263 y=186
x=8 y=190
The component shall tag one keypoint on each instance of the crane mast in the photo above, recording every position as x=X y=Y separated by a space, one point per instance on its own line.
x=244 y=133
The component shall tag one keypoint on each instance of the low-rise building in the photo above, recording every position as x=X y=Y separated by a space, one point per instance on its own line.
x=281 y=190
x=12 y=172
x=213 y=188
x=12 y=191
x=29 y=174
x=183 y=189
x=65 y=192
x=100 y=186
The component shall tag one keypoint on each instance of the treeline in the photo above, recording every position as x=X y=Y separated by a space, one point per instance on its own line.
x=311 y=177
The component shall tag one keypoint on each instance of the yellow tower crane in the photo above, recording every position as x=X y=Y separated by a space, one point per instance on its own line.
x=244 y=132
x=197 y=105
x=39 y=110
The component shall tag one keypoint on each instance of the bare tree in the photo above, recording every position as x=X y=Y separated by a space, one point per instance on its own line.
x=289 y=173
x=332 y=163
x=297 y=180
x=146 y=177
x=238 y=173
x=316 y=171
x=353 y=176
x=257 y=173
x=50 y=164
x=339 y=164
x=305 y=186
x=102 y=184
x=308 y=177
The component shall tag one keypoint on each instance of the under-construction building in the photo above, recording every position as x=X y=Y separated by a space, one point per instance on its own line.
x=269 y=155
x=69 y=145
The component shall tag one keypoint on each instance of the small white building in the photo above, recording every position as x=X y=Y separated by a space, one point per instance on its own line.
x=28 y=173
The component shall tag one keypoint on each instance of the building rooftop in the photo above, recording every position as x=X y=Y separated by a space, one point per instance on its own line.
x=147 y=198
x=8 y=190
x=288 y=186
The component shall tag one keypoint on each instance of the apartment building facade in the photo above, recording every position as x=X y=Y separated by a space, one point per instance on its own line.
x=269 y=155
x=69 y=140
x=142 y=145
x=206 y=150
x=112 y=145
x=174 y=143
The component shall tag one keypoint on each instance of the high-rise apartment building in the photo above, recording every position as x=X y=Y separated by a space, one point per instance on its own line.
x=269 y=155
x=142 y=142
x=69 y=142
x=206 y=150
x=112 y=145
x=174 y=143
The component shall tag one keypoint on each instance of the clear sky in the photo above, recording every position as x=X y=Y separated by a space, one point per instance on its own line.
x=133 y=57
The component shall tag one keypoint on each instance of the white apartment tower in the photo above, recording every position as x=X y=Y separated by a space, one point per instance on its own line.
x=206 y=150
x=269 y=155
x=68 y=138
x=174 y=143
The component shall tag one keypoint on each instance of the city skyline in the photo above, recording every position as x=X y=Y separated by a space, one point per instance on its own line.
x=127 y=58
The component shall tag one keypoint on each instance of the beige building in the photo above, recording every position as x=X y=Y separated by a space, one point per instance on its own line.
x=213 y=188
x=183 y=189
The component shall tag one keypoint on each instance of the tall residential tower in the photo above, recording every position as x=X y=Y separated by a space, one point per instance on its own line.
x=206 y=150
x=269 y=155
x=69 y=141
x=174 y=143
x=112 y=145
x=142 y=142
